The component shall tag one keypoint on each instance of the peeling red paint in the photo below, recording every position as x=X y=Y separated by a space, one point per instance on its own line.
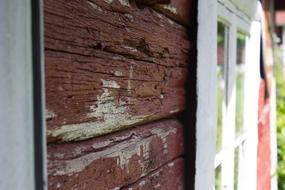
x=109 y=66
x=118 y=159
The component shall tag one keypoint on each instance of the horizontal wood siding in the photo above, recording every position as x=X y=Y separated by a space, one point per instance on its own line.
x=110 y=65
x=115 y=75
x=145 y=157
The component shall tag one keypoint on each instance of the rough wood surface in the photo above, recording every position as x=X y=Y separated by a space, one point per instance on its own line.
x=169 y=177
x=178 y=10
x=110 y=65
x=135 y=158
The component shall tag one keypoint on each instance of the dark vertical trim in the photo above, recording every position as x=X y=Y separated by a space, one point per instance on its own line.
x=38 y=100
x=188 y=118
x=262 y=68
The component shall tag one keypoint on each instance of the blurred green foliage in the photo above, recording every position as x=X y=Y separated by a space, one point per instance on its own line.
x=280 y=84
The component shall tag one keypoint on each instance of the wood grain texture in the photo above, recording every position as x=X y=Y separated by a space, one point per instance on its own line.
x=178 y=10
x=138 y=158
x=110 y=65
x=169 y=177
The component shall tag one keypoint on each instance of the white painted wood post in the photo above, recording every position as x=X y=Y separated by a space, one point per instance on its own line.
x=207 y=99
x=252 y=84
x=229 y=127
x=16 y=96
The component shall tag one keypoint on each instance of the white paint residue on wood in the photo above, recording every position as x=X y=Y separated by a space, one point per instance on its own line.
x=130 y=77
x=125 y=2
x=130 y=48
x=157 y=186
x=125 y=151
x=95 y=6
x=170 y=8
x=141 y=148
x=174 y=111
x=110 y=84
x=142 y=183
x=49 y=114
x=111 y=115
x=162 y=134
x=129 y=16
x=82 y=131
x=118 y=73
x=108 y=1
x=171 y=164
x=58 y=185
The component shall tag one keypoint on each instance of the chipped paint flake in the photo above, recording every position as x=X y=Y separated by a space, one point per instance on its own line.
x=118 y=73
x=130 y=48
x=111 y=115
x=129 y=16
x=125 y=2
x=142 y=183
x=108 y=1
x=110 y=84
x=170 y=8
x=174 y=111
x=58 y=185
x=171 y=164
x=130 y=77
x=163 y=135
x=49 y=114
x=125 y=151
x=157 y=186
x=84 y=131
x=95 y=6
x=116 y=58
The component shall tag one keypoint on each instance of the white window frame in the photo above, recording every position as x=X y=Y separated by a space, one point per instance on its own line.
x=226 y=157
x=209 y=13
x=22 y=137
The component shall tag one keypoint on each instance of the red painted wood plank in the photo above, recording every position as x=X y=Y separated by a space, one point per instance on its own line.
x=168 y=177
x=110 y=65
x=122 y=159
x=178 y=10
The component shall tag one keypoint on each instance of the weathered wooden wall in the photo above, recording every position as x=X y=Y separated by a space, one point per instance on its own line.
x=112 y=65
x=149 y=155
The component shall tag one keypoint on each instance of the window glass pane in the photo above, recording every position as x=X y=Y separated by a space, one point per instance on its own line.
x=236 y=169
x=241 y=39
x=221 y=78
x=218 y=178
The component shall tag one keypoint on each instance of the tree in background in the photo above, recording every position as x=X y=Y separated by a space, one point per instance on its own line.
x=280 y=84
